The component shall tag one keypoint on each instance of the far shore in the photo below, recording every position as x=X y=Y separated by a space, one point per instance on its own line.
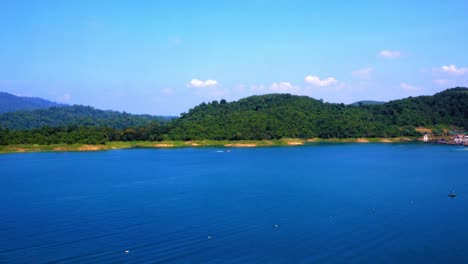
x=286 y=142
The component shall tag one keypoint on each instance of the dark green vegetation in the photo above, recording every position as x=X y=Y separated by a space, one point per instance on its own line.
x=81 y=134
x=10 y=103
x=76 y=115
x=449 y=107
x=282 y=115
x=263 y=117
x=367 y=102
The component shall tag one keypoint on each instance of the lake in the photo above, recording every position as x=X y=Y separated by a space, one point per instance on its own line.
x=325 y=203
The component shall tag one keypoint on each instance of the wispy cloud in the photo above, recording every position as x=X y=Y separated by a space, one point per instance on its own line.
x=316 y=81
x=276 y=87
x=390 y=54
x=363 y=73
x=409 y=87
x=453 y=69
x=200 y=84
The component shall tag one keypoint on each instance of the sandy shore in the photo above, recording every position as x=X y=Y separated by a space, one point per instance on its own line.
x=163 y=145
x=241 y=145
x=195 y=143
x=295 y=143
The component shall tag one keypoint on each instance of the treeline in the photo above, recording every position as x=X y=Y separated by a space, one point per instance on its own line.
x=271 y=116
x=81 y=134
x=74 y=115
x=151 y=132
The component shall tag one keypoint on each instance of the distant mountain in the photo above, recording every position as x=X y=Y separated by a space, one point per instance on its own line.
x=11 y=103
x=367 y=102
x=74 y=115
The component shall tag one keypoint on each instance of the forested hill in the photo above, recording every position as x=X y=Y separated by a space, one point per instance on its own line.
x=449 y=107
x=270 y=116
x=11 y=103
x=284 y=115
x=74 y=115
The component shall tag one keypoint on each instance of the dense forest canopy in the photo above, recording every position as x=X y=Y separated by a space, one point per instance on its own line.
x=449 y=107
x=367 y=102
x=284 y=115
x=271 y=116
x=74 y=115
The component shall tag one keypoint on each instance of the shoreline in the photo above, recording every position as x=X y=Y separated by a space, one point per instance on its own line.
x=286 y=142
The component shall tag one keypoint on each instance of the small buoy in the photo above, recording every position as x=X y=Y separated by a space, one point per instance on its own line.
x=452 y=195
x=127 y=251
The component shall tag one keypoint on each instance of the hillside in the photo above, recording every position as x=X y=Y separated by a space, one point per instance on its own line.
x=73 y=115
x=276 y=116
x=449 y=107
x=11 y=103
x=283 y=115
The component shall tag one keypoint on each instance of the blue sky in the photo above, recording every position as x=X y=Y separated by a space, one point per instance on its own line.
x=164 y=57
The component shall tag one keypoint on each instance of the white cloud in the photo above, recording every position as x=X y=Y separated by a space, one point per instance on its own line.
x=209 y=89
x=276 y=87
x=200 y=84
x=167 y=91
x=452 y=69
x=409 y=87
x=66 y=98
x=316 y=81
x=390 y=54
x=283 y=87
x=363 y=73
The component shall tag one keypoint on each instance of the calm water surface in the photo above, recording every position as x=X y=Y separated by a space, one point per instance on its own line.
x=343 y=203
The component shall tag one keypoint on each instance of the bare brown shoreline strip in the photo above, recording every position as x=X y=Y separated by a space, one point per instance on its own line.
x=241 y=145
x=163 y=145
x=362 y=140
x=208 y=143
x=90 y=148
x=295 y=143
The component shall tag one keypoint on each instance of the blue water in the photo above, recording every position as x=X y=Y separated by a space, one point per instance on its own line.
x=341 y=203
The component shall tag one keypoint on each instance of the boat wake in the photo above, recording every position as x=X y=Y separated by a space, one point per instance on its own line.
x=462 y=149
